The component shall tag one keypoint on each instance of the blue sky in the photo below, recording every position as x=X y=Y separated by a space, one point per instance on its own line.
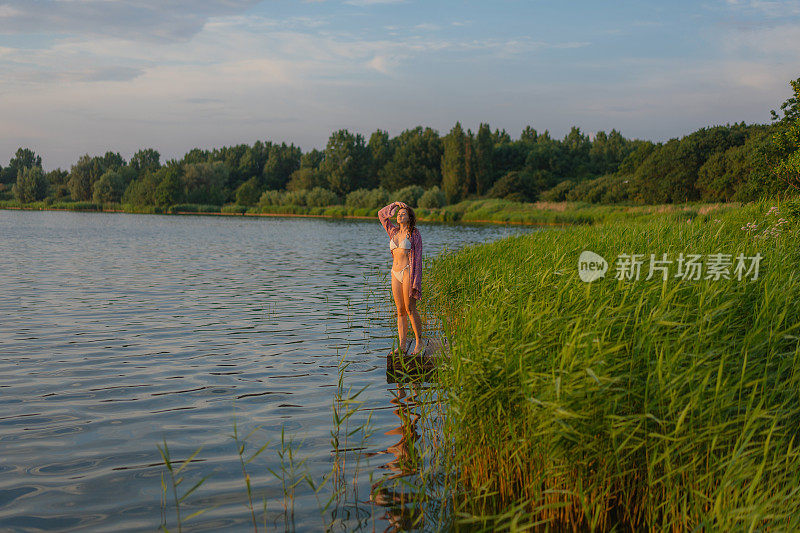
x=87 y=76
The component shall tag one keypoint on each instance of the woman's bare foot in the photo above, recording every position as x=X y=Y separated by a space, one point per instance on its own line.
x=417 y=347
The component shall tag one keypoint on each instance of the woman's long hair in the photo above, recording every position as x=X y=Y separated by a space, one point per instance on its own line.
x=412 y=221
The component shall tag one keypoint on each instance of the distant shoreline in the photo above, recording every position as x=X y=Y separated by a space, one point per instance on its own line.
x=476 y=211
x=293 y=215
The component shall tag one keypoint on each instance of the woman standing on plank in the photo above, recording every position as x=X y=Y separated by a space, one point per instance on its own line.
x=405 y=245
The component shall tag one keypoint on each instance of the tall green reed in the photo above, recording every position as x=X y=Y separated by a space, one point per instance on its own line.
x=633 y=404
x=176 y=479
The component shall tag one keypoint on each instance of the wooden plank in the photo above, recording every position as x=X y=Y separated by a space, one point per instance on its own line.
x=419 y=367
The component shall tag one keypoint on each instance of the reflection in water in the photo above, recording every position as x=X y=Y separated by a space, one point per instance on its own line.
x=399 y=489
x=394 y=490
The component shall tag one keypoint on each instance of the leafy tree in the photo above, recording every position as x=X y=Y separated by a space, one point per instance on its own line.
x=454 y=171
x=305 y=178
x=575 y=156
x=311 y=159
x=197 y=155
x=546 y=160
x=254 y=160
x=346 y=162
x=510 y=155
x=170 y=186
x=205 y=183
x=528 y=135
x=381 y=152
x=518 y=186
x=283 y=161
x=500 y=137
x=112 y=161
x=141 y=191
x=484 y=155
x=639 y=151
x=233 y=157
x=23 y=158
x=82 y=176
x=608 y=151
x=88 y=170
x=669 y=174
x=608 y=189
x=58 y=180
x=416 y=160
x=470 y=164
x=248 y=192
x=603 y=189
x=146 y=160
x=31 y=184
x=108 y=188
x=785 y=149
x=558 y=193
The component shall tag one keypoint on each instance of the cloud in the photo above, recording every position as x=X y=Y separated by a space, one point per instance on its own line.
x=225 y=76
x=119 y=73
x=771 y=9
x=426 y=26
x=771 y=41
x=382 y=64
x=176 y=20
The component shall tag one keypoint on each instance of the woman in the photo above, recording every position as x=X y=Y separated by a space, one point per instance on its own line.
x=405 y=245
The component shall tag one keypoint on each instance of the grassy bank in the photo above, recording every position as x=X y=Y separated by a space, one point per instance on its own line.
x=472 y=211
x=641 y=404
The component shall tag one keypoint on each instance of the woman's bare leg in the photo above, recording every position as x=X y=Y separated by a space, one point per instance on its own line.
x=402 y=311
x=411 y=306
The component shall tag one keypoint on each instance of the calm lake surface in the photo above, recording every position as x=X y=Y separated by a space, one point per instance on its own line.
x=120 y=332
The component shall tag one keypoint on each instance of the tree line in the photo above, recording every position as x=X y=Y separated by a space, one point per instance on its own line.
x=734 y=162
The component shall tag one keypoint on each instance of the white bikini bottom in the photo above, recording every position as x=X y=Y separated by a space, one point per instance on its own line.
x=399 y=274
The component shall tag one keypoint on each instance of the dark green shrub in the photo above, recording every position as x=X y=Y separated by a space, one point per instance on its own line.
x=248 y=192
x=320 y=197
x=272 y=197
x=433 y=198
x=409 y=195
x=559 y=192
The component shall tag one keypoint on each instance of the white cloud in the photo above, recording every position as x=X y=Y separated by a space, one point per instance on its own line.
x=769 y=8
x=176 y=20
x=775 y=41
x=7 y=11
x=383 y=64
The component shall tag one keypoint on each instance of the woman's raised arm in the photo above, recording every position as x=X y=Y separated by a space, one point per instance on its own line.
x=385 y=214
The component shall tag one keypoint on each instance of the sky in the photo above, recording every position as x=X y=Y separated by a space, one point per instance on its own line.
x=88 y=76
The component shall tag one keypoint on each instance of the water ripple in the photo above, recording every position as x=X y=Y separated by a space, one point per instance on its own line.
x=121 y=332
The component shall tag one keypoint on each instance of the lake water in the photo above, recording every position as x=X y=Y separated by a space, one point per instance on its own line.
x=120 y=332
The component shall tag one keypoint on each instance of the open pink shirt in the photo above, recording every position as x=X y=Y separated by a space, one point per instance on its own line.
x=416 y=248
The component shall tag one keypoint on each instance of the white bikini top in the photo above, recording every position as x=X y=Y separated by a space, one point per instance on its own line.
x=406 y=244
